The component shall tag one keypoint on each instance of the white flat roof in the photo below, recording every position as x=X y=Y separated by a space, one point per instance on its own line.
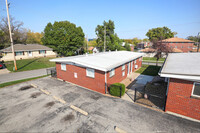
x=104 y=61
x=182 y=66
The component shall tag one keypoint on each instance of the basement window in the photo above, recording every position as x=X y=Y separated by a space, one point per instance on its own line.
x=63 y=67
x=112 y=72
x=90 y=72
x=196 y=90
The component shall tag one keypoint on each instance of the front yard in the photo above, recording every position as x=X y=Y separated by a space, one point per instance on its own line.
x=149 y=70
x=30 y=64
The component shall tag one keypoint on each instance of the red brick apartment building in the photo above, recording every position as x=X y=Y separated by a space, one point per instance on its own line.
x=183 y=73
x=97 y=71
x=179 y=43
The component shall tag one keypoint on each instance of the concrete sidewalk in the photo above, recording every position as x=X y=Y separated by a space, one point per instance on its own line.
x=21 y=75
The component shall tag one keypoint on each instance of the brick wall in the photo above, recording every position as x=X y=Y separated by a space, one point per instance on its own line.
x=118 y=71
x=185 y=47
x=179 y=99
x=96 y=84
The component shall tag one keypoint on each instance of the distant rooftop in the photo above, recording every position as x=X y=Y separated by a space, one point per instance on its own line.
x=176 y=39
x=26 y=47
x=182 y=65
x=104 y=61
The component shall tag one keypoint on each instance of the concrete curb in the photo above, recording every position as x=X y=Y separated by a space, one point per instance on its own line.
x=58 y=99
x=44 y=91
x=34 y=85
x=79 y=110
x=119 y=130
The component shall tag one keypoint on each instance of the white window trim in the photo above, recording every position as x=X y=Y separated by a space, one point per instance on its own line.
x=123 y=67
x=193 y=90
x=135 y=61
x=62 y=67
x=87 y=73
x=110 y=73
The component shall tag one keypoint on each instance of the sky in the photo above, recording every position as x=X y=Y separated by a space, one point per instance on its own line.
x=132 y=18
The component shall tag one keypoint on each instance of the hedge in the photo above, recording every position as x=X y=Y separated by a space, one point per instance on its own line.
x=114 y=89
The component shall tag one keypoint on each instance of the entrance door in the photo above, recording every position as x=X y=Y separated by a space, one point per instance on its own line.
x=131 y=66
x=29 y=53
x=128 y=68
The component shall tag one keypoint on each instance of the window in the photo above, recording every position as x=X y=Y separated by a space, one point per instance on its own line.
x=63 y=67
x=112 y=72
x=136 y=66
x=90 y=72
x=196 y=90
x=19 y=53
x=123 y=73
x=42 y=51
x=75 y=75
x=123 y=67
x=135 y=61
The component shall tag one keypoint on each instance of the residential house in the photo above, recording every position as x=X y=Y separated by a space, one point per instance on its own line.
x=179 y=43
x=182 y=70
x=98 y=71
x=131 y=45
x=93 y=49
x=25 y=51
x=143 y=45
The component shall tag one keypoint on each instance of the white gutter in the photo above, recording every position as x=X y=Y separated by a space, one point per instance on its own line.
x=186 y=77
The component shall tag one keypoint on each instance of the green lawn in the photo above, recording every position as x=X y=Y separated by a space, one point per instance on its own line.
x=153 y=59
x=149 y=70
x=19 y=81
x=30 y=64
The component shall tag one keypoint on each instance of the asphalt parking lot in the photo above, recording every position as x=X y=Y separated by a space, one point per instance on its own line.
x=27 y=109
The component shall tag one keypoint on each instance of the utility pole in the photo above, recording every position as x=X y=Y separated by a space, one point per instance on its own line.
x=87 y=44
x=104 y=38
x=11 y=40
x=198 y=36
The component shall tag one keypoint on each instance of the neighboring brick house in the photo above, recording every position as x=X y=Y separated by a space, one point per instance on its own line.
x=25 y=51
x=183 y=73
x=179 y=43
x=98 y=71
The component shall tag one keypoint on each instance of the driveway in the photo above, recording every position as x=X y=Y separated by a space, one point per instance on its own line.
x=30 y=110
x=22 y=75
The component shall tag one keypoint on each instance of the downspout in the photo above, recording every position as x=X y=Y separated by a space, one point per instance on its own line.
x=105 y=82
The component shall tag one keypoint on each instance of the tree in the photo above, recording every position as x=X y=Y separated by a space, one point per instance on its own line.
x=112 y=40
x=19 y=33
x=145 y=40
x=64 y=37
x=160 y=33
x=136 y=41
x=127 y=47
x=34 y=37
x=160 y=49
x=193 y=38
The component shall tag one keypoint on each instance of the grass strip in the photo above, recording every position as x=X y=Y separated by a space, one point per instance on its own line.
x=19 y=81
x=149 y=70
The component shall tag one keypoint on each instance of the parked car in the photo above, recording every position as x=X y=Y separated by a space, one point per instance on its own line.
x=1 y=65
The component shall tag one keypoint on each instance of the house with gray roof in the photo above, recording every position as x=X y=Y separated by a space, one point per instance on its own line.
x=25 y=51
x=183 y=92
